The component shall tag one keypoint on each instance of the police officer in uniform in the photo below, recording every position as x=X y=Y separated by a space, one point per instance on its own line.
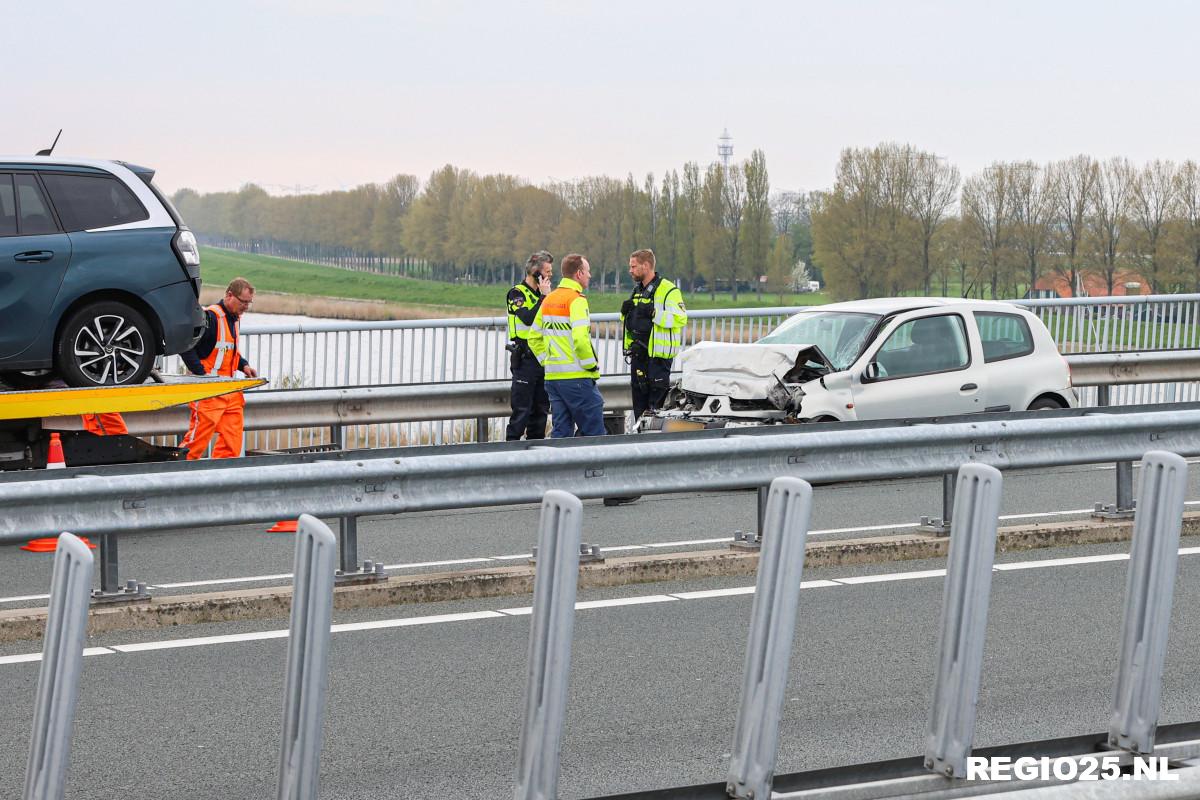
x=530 y=404
x=653 y=318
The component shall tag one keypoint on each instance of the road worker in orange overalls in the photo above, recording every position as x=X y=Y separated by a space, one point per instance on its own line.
x=216 y=353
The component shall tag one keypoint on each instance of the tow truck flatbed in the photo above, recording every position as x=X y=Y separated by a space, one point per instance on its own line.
x=40 y=403
x=24 y=440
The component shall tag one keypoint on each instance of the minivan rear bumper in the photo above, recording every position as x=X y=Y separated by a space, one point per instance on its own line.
x=181 y=316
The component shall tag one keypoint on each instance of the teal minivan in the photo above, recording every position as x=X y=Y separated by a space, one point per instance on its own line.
x=98 y=274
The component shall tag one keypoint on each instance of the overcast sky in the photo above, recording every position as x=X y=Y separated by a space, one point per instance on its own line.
x=328 y=95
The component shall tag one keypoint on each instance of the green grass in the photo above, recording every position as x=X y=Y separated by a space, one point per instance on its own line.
x=270 y=274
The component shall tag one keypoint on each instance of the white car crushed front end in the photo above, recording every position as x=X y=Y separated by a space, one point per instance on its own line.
x=731 y=385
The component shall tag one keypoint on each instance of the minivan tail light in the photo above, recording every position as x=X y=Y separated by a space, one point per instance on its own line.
x=186 y=248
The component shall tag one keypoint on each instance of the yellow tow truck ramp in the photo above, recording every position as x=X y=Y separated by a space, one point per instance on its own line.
x=24 y=440
x=41 y=403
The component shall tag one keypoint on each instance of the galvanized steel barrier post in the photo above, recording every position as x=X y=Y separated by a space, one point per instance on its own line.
x=308 y=660
x=769 y=648
x=347 y=545
x=1148 y=592
x=941 y=525
x=1124 y=507
x=550 y=631
x=109 y=562
x=964 y=620
x=58 y=678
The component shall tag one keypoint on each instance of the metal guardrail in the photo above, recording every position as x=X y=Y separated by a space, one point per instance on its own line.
x=306 y=669
x=172 y=496
x=943 y=771
x=336 y=353
x=370 y=405
x=359 y=405
x=344 y=353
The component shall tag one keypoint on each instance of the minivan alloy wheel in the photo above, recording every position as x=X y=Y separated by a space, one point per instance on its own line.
x=109 y=349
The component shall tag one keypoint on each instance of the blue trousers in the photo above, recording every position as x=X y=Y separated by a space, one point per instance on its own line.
x=576 y=408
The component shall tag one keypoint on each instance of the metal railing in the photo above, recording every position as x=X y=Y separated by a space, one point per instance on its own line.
x=383 y=416
x=350 y=353
x=174 y=495
x=336 y=353
x=1133 y=322
x=1133 y=732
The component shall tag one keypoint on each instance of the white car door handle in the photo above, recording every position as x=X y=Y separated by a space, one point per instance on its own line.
x=968 y=387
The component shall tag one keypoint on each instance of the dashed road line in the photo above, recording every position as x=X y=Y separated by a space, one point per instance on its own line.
x=616 y=602
x=284 y=576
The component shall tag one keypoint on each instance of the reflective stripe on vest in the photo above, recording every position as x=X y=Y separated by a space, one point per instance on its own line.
x=516 y=328
x=556 y=326
x=217 y=362
x=666 y=332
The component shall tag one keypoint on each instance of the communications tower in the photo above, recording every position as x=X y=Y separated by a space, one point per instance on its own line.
x=725 y=149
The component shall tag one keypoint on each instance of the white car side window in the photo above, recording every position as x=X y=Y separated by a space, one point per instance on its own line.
x=922 y=346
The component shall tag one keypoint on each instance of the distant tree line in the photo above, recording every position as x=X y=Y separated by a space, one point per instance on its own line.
x=899 y=220
x=713 y=229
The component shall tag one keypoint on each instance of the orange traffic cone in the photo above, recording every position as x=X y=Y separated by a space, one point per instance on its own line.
x=284 y=526
x=54 y=458
x=48 y=544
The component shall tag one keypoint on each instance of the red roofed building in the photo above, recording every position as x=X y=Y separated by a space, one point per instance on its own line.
x=1095 y=285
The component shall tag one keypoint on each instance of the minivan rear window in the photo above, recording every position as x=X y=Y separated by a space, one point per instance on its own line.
x=92 y=201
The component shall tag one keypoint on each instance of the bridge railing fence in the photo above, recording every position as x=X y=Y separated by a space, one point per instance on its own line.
x=341 y=353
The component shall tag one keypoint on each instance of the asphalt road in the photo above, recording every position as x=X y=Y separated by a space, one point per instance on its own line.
x=433 y=709
x=243 y=556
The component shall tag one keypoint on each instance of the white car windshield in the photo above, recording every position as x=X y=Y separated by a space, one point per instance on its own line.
x=840 y=335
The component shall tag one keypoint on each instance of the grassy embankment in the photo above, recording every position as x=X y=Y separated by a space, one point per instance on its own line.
x=294 y=287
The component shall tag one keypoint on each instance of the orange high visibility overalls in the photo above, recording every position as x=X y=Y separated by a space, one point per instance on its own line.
x=106 y=424
x=222 y=415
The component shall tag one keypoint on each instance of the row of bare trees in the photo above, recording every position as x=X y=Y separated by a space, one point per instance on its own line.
x=710 y=227
x=900 y=220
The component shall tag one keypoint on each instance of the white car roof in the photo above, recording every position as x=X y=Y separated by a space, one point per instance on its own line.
x=890 y=305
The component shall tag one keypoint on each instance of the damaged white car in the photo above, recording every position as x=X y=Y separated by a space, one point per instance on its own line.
x=890 y=358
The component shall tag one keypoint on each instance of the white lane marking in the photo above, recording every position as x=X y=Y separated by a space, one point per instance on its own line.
x=1061 y=562
x=615 y=548
x=527 y=610
x=283 y=576
x=816 y=584
x=1036 y=515
x=895 y=527
x=25 y=658
x=517 y=557
x=21 y=659
x=448 y=563
x=200 y=641
x=24 y=598
x=740 y=590
x=624 y=601
x=405 y=622
x=707 y=593
x=892 y=576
